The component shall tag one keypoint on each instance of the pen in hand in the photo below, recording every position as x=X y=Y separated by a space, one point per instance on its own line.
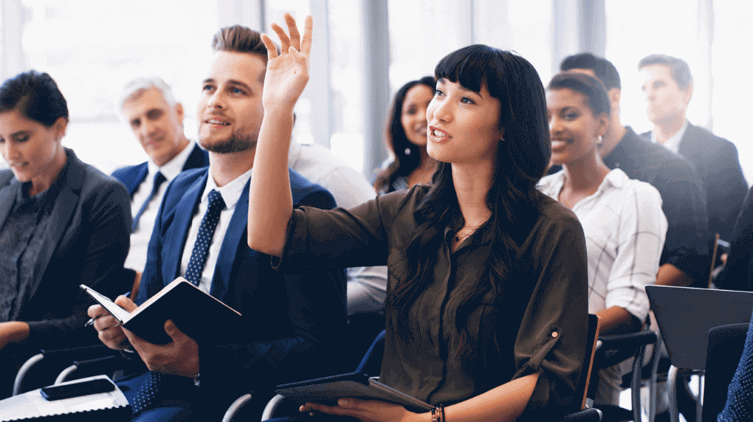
x=91 y=320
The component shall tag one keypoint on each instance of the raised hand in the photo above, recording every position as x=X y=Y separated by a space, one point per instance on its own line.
x=288 y=71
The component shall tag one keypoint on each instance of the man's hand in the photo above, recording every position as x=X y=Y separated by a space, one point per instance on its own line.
x=179 y=357
x=108 y=329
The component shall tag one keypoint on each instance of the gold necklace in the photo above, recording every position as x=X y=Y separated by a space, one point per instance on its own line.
x=458 y=236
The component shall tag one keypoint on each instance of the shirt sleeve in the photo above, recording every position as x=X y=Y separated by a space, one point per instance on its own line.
x=552 y=339
x=358 y=237
x=642 y=231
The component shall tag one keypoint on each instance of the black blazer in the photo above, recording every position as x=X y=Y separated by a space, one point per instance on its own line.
x=716 y=162
x=87 y=243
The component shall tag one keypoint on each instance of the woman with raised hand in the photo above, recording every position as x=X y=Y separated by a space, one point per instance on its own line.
x=622 y=218
x=407 y=138
x=62 y=223
x=487 y=295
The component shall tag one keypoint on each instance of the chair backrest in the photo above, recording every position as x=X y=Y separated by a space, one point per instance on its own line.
x=581 y=389
x=685 y=316
x=724 y=351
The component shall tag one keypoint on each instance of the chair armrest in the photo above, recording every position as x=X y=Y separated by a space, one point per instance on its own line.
x=271 y=406
x=42 y=368
x=237 y=405
x=585 y=415
x=617 y=348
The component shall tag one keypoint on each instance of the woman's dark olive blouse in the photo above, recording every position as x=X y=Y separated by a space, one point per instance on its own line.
x=536 y=323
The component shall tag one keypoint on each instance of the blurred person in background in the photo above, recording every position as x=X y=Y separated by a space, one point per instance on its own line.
x=406 y=138
x=684 y=259
x=668 y=88
x=156 y=119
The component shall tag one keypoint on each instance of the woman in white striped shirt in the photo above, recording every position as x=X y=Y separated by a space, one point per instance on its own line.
x=622 y=218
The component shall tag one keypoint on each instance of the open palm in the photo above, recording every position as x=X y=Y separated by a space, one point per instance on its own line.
x=288 y=71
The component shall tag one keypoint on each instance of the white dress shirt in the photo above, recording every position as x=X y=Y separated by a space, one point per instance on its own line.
x=673 y=143
x=136 y=259
x=231 y=193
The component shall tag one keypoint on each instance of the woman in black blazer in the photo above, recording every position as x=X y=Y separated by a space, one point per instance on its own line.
x=62 y=223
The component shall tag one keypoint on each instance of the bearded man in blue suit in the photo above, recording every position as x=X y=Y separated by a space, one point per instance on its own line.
x=289 y=321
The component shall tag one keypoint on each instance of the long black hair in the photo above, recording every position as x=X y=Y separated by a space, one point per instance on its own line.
x=407 y=154
x=521 y=160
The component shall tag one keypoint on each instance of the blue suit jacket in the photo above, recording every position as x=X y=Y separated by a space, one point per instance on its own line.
x=133 y=176
x=291 y=321
x=87 y=242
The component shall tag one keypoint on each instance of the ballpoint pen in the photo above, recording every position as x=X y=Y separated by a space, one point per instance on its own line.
x=91 y=320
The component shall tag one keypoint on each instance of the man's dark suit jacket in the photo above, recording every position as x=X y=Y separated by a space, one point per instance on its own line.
x=715 y=159
x=738 y=272
x=292 y=323
x=133 y=176
x=686 y=245
x=88 y=241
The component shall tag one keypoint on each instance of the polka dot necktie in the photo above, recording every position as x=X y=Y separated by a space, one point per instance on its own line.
x=204 y=239
x=158 y=180
x=147 y=392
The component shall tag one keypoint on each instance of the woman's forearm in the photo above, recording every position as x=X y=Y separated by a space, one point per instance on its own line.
x=504 y=403
x=12 y=332
x=270 y=199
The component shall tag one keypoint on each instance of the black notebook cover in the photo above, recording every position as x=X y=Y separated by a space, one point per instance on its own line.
x=196 y=313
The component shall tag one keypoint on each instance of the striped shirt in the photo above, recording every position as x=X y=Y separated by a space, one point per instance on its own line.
x=625 y=230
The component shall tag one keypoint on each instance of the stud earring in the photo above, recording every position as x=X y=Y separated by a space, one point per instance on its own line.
x=599 y=139
x=407 y=151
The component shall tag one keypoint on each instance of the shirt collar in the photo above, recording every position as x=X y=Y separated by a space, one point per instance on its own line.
x=673 y=143
x=615 y=177
x=173 y=167
x=231 y=192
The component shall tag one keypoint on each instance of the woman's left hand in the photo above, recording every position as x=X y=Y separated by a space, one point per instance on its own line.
x=364 y=410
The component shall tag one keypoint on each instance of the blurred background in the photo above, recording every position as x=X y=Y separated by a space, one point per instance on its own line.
x=363 y=51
